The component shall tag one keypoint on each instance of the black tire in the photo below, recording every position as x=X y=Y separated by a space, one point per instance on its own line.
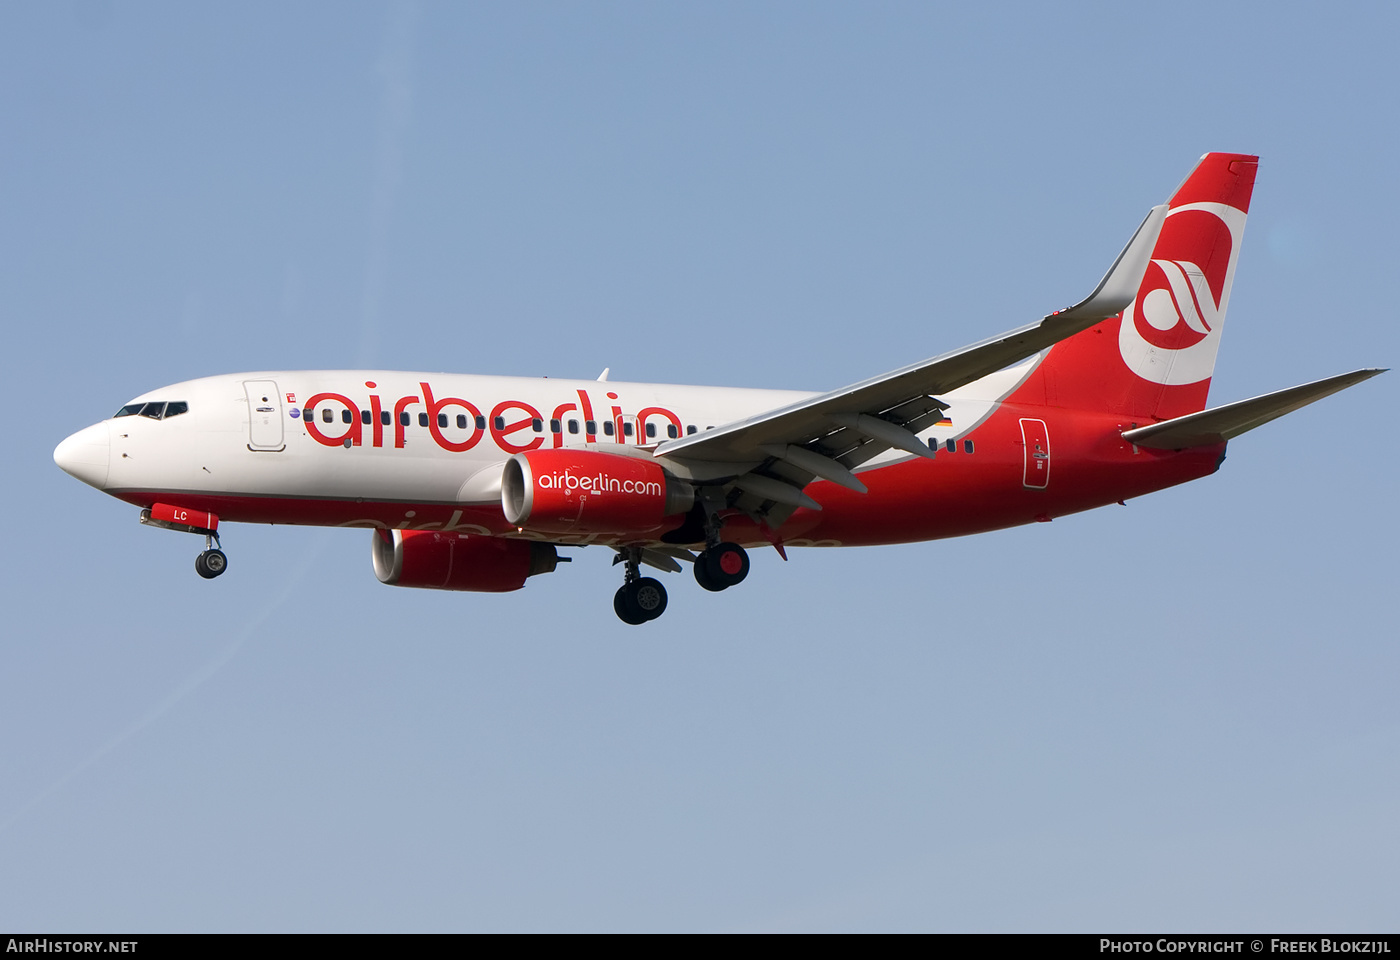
x=648 y=597
x=702 y=575
x=210 y=564
x=625 y=607
x=726 y=564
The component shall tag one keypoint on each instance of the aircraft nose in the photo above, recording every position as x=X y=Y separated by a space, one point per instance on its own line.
x=86 y=455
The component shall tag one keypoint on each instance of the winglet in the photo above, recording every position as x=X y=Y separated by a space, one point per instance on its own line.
x=1120 y=285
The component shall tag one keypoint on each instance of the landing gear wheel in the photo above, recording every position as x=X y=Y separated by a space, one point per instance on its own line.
x=726 y=565
x=210 y=564
x=649 y=596
x=702 y=575
x=638 y=601
x=640 y=598
x=626 y=607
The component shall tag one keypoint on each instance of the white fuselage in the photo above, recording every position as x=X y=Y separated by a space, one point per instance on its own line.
x=225 y=445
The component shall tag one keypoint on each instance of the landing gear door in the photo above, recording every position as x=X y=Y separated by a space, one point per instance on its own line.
x=264 y=415
x=1037 y=446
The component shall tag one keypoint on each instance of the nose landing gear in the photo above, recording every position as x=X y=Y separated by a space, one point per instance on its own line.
x=212 y=561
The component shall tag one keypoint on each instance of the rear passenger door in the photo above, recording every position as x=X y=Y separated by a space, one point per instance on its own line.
x=1036 y=440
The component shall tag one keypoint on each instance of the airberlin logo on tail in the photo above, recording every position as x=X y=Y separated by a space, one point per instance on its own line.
x=1185 y=301
x=1171 y=332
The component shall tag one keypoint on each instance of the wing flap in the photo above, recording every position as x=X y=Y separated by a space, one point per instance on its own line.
x=1219 y=424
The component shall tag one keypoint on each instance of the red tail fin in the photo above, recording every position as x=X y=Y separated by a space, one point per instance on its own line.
x=1155 y=360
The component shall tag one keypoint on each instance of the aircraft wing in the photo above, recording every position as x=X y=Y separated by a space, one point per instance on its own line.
x=827 y=435
x=1219 y=424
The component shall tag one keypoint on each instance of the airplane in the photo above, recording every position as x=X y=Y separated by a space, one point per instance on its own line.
x=476 y=483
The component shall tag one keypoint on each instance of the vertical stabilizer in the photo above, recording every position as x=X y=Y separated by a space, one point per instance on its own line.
x=1155 y=360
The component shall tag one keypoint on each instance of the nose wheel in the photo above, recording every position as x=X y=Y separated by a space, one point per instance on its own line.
x=210 y=564
x=212 y=561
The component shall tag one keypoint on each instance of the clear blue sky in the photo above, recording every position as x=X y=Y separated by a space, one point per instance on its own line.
x=1176 y=716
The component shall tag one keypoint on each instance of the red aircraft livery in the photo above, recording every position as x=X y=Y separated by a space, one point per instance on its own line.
x=477 y=483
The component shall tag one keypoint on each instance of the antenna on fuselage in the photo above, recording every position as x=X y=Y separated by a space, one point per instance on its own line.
x=602 y=377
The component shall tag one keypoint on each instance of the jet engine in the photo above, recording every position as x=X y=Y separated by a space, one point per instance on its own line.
x=452 y=561
x=567 y=491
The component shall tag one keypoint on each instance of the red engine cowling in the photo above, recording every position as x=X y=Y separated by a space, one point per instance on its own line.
x=451 y=561
x=584 y=491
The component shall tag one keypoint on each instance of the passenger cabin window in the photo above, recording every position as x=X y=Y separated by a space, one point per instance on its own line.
x=573 y=426
x=627 y=428
x=481 y=423
x=967 y=446
x=691 y=429
x=952 y=446
x=591 y=425
x=537 y=426
x=442 y=419
x=651 y=430
x=608 y=427
x=422 y=419
x=346 y=416
x=364 y=416
x=404 y=418
x=384 y=417
x=500 y=423
x=461 y=421
x=672 y=431
x=327 y=415
x=555 y=427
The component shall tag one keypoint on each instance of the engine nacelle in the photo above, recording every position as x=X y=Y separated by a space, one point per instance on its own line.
x=585 y=491
x=451 y=561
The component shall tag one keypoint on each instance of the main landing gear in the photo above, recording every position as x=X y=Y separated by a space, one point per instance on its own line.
x=721 y=566
x=640 y=598
x=212 y=561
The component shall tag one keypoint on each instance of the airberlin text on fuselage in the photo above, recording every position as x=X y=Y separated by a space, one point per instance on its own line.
x=505 y=420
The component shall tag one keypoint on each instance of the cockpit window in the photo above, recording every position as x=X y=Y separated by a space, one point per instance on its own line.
x=155 y=409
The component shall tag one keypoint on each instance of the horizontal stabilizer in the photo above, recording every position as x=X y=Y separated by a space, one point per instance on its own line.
x=1224 y=423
